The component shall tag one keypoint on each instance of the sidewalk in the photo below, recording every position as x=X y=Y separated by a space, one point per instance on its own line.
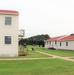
x=55 y=56
x=22 y=58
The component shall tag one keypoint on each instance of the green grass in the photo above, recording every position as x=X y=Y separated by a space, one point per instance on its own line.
x=37 y=67
x=33 y=54
x=55 y=52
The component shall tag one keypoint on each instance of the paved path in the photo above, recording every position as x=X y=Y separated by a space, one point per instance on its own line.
x=55 y=56
x=22 y=58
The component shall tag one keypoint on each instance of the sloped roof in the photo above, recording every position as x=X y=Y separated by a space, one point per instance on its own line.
x=61 y=38
x=9 y=12
x=70 y=37
x=55 y=38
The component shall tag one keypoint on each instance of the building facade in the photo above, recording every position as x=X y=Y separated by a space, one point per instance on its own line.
x=52 y=42
x=66 y=43
x=61 y=42
x=8 y=33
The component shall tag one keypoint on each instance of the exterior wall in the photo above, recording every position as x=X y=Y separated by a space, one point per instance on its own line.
x=46 y=44
x=51 y=44
x=9 y=30
x=63 y=45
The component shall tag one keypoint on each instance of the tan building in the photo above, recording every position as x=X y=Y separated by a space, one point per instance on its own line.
x=8 y=33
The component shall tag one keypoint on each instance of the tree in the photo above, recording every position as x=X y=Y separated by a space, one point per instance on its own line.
x=36 y=40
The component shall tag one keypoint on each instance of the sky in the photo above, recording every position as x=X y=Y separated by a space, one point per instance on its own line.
x=52 y=17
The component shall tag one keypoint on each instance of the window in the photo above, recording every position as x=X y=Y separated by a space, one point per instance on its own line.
x=66 y=43
x=7 y=39
x=8 y=20
x=47 y=42
x=55 y=42
x=50 y=42
x=60 y=44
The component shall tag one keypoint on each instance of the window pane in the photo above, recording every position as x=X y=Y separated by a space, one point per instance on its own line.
x=50 y=42
x=47 y=42
x=7 y=20
x=66 y=43
x=55 y=42
x=60 y=44
x=7 y=39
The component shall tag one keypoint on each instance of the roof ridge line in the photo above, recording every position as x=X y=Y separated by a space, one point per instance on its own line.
x=62 y=37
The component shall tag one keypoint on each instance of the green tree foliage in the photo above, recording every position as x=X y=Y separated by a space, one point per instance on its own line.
x=40 y=37
x=35 y=40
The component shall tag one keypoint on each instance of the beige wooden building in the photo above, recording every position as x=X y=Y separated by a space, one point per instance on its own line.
x=8 y=33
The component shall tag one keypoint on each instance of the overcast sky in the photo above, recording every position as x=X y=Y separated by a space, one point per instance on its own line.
x=53 y=17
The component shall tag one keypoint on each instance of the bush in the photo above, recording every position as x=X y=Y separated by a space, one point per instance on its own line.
x=52 y=48
x=22 y=53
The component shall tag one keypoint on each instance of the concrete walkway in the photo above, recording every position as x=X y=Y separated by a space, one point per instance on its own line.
x=55 y=56
x=22 y=58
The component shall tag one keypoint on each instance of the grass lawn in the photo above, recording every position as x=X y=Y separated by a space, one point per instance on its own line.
x=56 y=52
x=33 y=54
x=37 y=67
